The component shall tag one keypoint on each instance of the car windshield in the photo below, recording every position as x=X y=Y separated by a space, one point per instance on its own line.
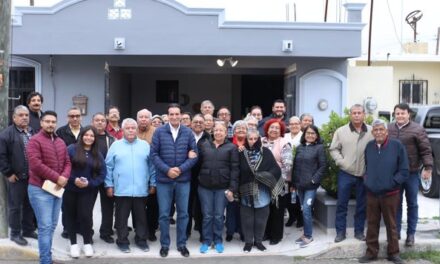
x=432 y=119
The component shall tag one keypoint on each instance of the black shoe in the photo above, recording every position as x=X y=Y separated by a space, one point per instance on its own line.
x=339 y=237
x=152 y=237
x=183 y=251
x=64 y=234
x=172 y=221
x=265 y=238
x=31 y=235
x=395 y=259
x=409 y=242
x=367 y=259
x=228 y=238
x=360 y=237
x=274 y=242
x=290 y=221
x=142 y=245
x=163 y=252
x=260 y=246
x=108 y=239
x=19 y=240
x=130 y=228
x=299 y=224
x=247 y=247
x=124 y=248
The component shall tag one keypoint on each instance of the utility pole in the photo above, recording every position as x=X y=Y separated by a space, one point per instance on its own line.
x=5 y=29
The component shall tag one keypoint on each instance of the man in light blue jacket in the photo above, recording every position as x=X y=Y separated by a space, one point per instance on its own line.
x=130 y=175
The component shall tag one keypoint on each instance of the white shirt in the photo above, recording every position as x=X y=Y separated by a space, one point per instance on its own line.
x=174 y=131
x=198 y=137
x=294 y=142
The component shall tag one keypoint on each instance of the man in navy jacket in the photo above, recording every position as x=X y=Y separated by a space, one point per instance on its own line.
x=386 y=169
x=174 y=153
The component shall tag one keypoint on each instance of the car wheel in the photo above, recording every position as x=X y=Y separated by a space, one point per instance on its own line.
x=431 y=188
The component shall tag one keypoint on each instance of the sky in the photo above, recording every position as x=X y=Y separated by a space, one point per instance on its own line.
x=390 y=31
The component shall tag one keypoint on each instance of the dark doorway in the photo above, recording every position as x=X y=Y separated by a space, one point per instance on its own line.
x=261 y=90
x=21 y=84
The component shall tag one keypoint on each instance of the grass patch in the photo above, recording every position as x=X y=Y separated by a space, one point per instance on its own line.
x=298 y=258
x=430 y=255
x=436 y=217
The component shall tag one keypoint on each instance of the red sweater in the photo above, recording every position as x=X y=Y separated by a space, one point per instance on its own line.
x=48 y=159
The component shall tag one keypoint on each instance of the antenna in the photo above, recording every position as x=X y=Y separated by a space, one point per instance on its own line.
x=412 y=19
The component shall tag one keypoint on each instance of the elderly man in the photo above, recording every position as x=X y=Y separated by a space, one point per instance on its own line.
x=130 y=177
x=145 y=132
x=14 y=166
x=104 y=140
x=386 y=169
x=70 y=132
x=224 y=115
x=34 y=102
x=48 y=161
x=418 y=148
x=172 y=145
x=207 y=107
x=194 y=208
x=347 y=150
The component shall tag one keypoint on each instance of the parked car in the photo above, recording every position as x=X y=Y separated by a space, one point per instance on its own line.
x=429 y=117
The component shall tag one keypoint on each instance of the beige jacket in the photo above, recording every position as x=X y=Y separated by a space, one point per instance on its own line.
x=348 y=148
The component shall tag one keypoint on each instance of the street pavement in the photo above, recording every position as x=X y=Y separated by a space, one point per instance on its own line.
x=322 y=250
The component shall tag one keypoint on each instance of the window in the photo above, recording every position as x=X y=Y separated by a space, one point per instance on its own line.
x=413 y=91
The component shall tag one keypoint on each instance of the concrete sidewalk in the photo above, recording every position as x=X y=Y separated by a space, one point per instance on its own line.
x=322 y=247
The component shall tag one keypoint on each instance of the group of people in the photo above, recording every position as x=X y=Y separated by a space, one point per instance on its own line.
x=240 y=176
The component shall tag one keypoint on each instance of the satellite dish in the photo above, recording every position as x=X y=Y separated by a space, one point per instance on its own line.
x=412 y=19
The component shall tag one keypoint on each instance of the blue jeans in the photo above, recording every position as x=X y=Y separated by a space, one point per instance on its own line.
x=213 y=209
x=47 y=210
x=165 y=193
x=306 y=199
x=346 y=182
x=411 y=189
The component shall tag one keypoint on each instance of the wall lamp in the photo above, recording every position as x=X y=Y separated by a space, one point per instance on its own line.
x=232 y=62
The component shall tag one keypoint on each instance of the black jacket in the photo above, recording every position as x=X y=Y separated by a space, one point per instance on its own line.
x=219 y=166
x=66 y=134
x=34 y=120
x=309 y=166
x=196 y=169
x=12 y=159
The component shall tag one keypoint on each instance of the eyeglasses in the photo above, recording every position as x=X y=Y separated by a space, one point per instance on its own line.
x=197 y=122
x=223 y=114
x=74 y=116
x=310 y=133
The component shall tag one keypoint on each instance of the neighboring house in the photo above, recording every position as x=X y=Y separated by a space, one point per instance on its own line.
x=410 y=78
x=147 y=53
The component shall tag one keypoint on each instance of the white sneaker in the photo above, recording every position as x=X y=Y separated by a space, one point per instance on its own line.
x=88 y=250
x=74 y=251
